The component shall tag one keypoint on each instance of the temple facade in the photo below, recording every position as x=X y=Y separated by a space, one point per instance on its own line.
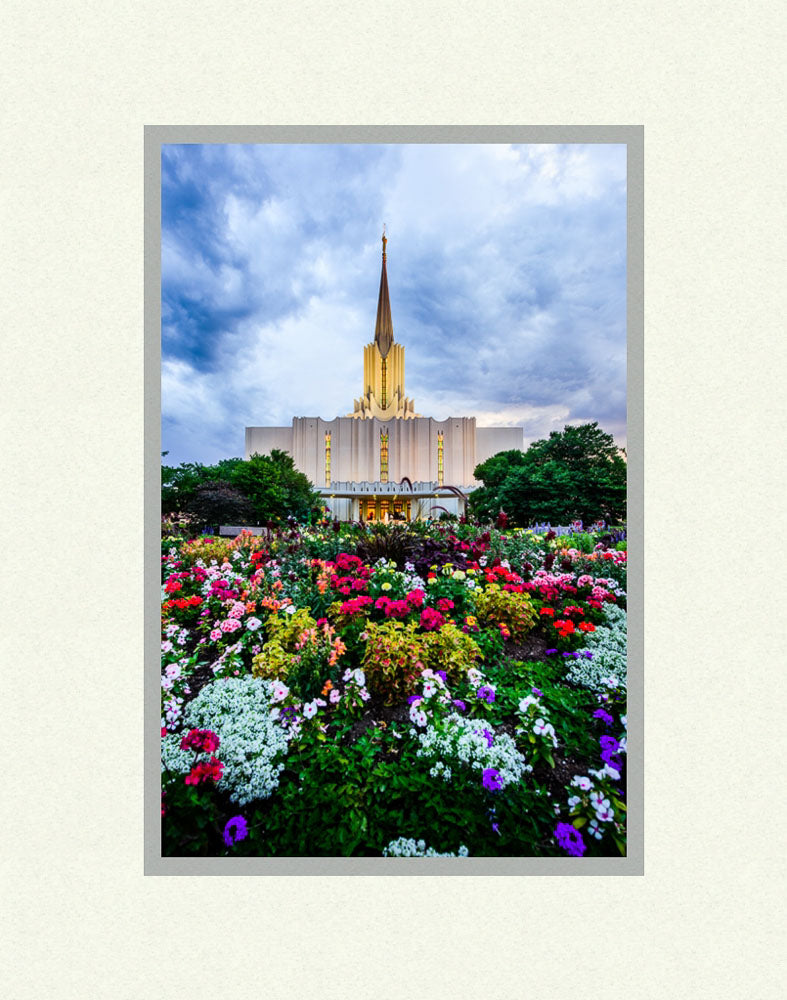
x=384 y=461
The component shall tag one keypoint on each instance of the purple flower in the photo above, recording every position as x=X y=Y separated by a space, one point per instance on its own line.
x=442 y=673
x=460 y=705
x=235 y=830
x=608 y=743
x=605 y=717
x=486 y=692
x=496 y=828
x=570 y=840
x=536 y=692
x=489 y=737
x=612 y=759
x=568 y=655
x=588 y=655
x=413 y=698
x=492 y=780
x=549 y=652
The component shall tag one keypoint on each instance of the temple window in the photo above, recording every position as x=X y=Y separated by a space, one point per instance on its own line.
x=383 y=456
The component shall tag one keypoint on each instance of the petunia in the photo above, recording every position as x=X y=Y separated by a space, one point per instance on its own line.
x=236 y=829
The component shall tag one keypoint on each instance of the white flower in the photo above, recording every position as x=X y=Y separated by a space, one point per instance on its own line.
x=623 y=721
x=610 y=771
x=458 y=574
x=594 y=830
x=573 y=801
x=252 y=624
x=429 y=689
x=605 y=813
x=525 y=703
x=290 y=609
x=310 y=710
x=279 y=691
x=583 y=783
x=166 y=647
x=598 y=801
x=359 y=676
x=419 y=718
x=540 y=727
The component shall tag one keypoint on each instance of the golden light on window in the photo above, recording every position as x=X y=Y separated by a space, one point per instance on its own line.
x=383 y=456
x=327 y=458
x=440 y=466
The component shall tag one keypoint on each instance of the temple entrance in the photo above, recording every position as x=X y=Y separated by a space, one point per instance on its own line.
x=384 y=509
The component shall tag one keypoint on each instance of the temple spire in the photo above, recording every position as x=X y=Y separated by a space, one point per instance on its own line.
x=383 y=329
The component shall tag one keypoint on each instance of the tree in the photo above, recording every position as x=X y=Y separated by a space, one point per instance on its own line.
x=485 y=501
x=217 y=502
x=275 y=488
x=574 y=473
x=180 y=483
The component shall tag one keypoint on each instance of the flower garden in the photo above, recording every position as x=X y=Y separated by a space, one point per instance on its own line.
x=442 y=689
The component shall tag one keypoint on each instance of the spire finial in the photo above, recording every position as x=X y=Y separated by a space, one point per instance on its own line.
x=385 y=239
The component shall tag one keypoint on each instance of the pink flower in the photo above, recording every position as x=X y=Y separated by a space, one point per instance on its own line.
x=230 y=625
x=215 y=634
x=431 y=620
x=334 y=696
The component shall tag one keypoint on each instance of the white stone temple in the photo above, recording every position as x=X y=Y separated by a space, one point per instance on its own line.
x=384 y=461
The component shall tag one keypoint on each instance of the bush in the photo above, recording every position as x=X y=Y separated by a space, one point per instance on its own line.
x=496 y=606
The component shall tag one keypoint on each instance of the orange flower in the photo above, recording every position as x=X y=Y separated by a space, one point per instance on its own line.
x=327 y=687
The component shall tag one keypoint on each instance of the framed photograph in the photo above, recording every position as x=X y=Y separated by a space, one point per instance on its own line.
x=394 y=501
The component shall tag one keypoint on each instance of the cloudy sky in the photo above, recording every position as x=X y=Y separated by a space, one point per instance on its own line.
x=506 y=270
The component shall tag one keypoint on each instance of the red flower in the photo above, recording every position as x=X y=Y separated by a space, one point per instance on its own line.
x=547 y=611
x=211 y=770
x=445 y=604
x=587 y=627
x=200 y=739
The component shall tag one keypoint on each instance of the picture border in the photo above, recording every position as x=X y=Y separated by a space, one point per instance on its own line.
x=633 y=137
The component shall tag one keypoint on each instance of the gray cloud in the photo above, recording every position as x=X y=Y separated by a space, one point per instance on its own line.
x=506 y=268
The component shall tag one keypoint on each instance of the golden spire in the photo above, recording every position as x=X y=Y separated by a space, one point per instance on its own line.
x=383 y=330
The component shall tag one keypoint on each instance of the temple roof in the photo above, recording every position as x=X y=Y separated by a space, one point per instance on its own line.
x=383 y=329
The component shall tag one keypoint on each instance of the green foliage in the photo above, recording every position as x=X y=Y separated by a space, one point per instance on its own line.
x=451 y=650
x=392 y=660
x=276 y=489
x=574 y=473
x=271 y=485
x=217 y=502
x=496 y=606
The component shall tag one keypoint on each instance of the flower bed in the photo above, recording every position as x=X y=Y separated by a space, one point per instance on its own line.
x=344 y=690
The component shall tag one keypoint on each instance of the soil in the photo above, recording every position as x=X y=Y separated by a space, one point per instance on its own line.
x=533 y=647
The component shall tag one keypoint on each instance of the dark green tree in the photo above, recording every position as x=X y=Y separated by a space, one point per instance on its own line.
x=217 y=502
x=574 y=473
x=276 y=489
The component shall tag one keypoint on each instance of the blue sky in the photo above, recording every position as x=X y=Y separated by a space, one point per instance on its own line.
x=506 y=270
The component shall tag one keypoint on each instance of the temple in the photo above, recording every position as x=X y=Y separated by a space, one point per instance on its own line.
x=384 y=461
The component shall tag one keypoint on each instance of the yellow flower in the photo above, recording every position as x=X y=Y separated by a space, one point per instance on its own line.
x=458 y=575
x=385 y=586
